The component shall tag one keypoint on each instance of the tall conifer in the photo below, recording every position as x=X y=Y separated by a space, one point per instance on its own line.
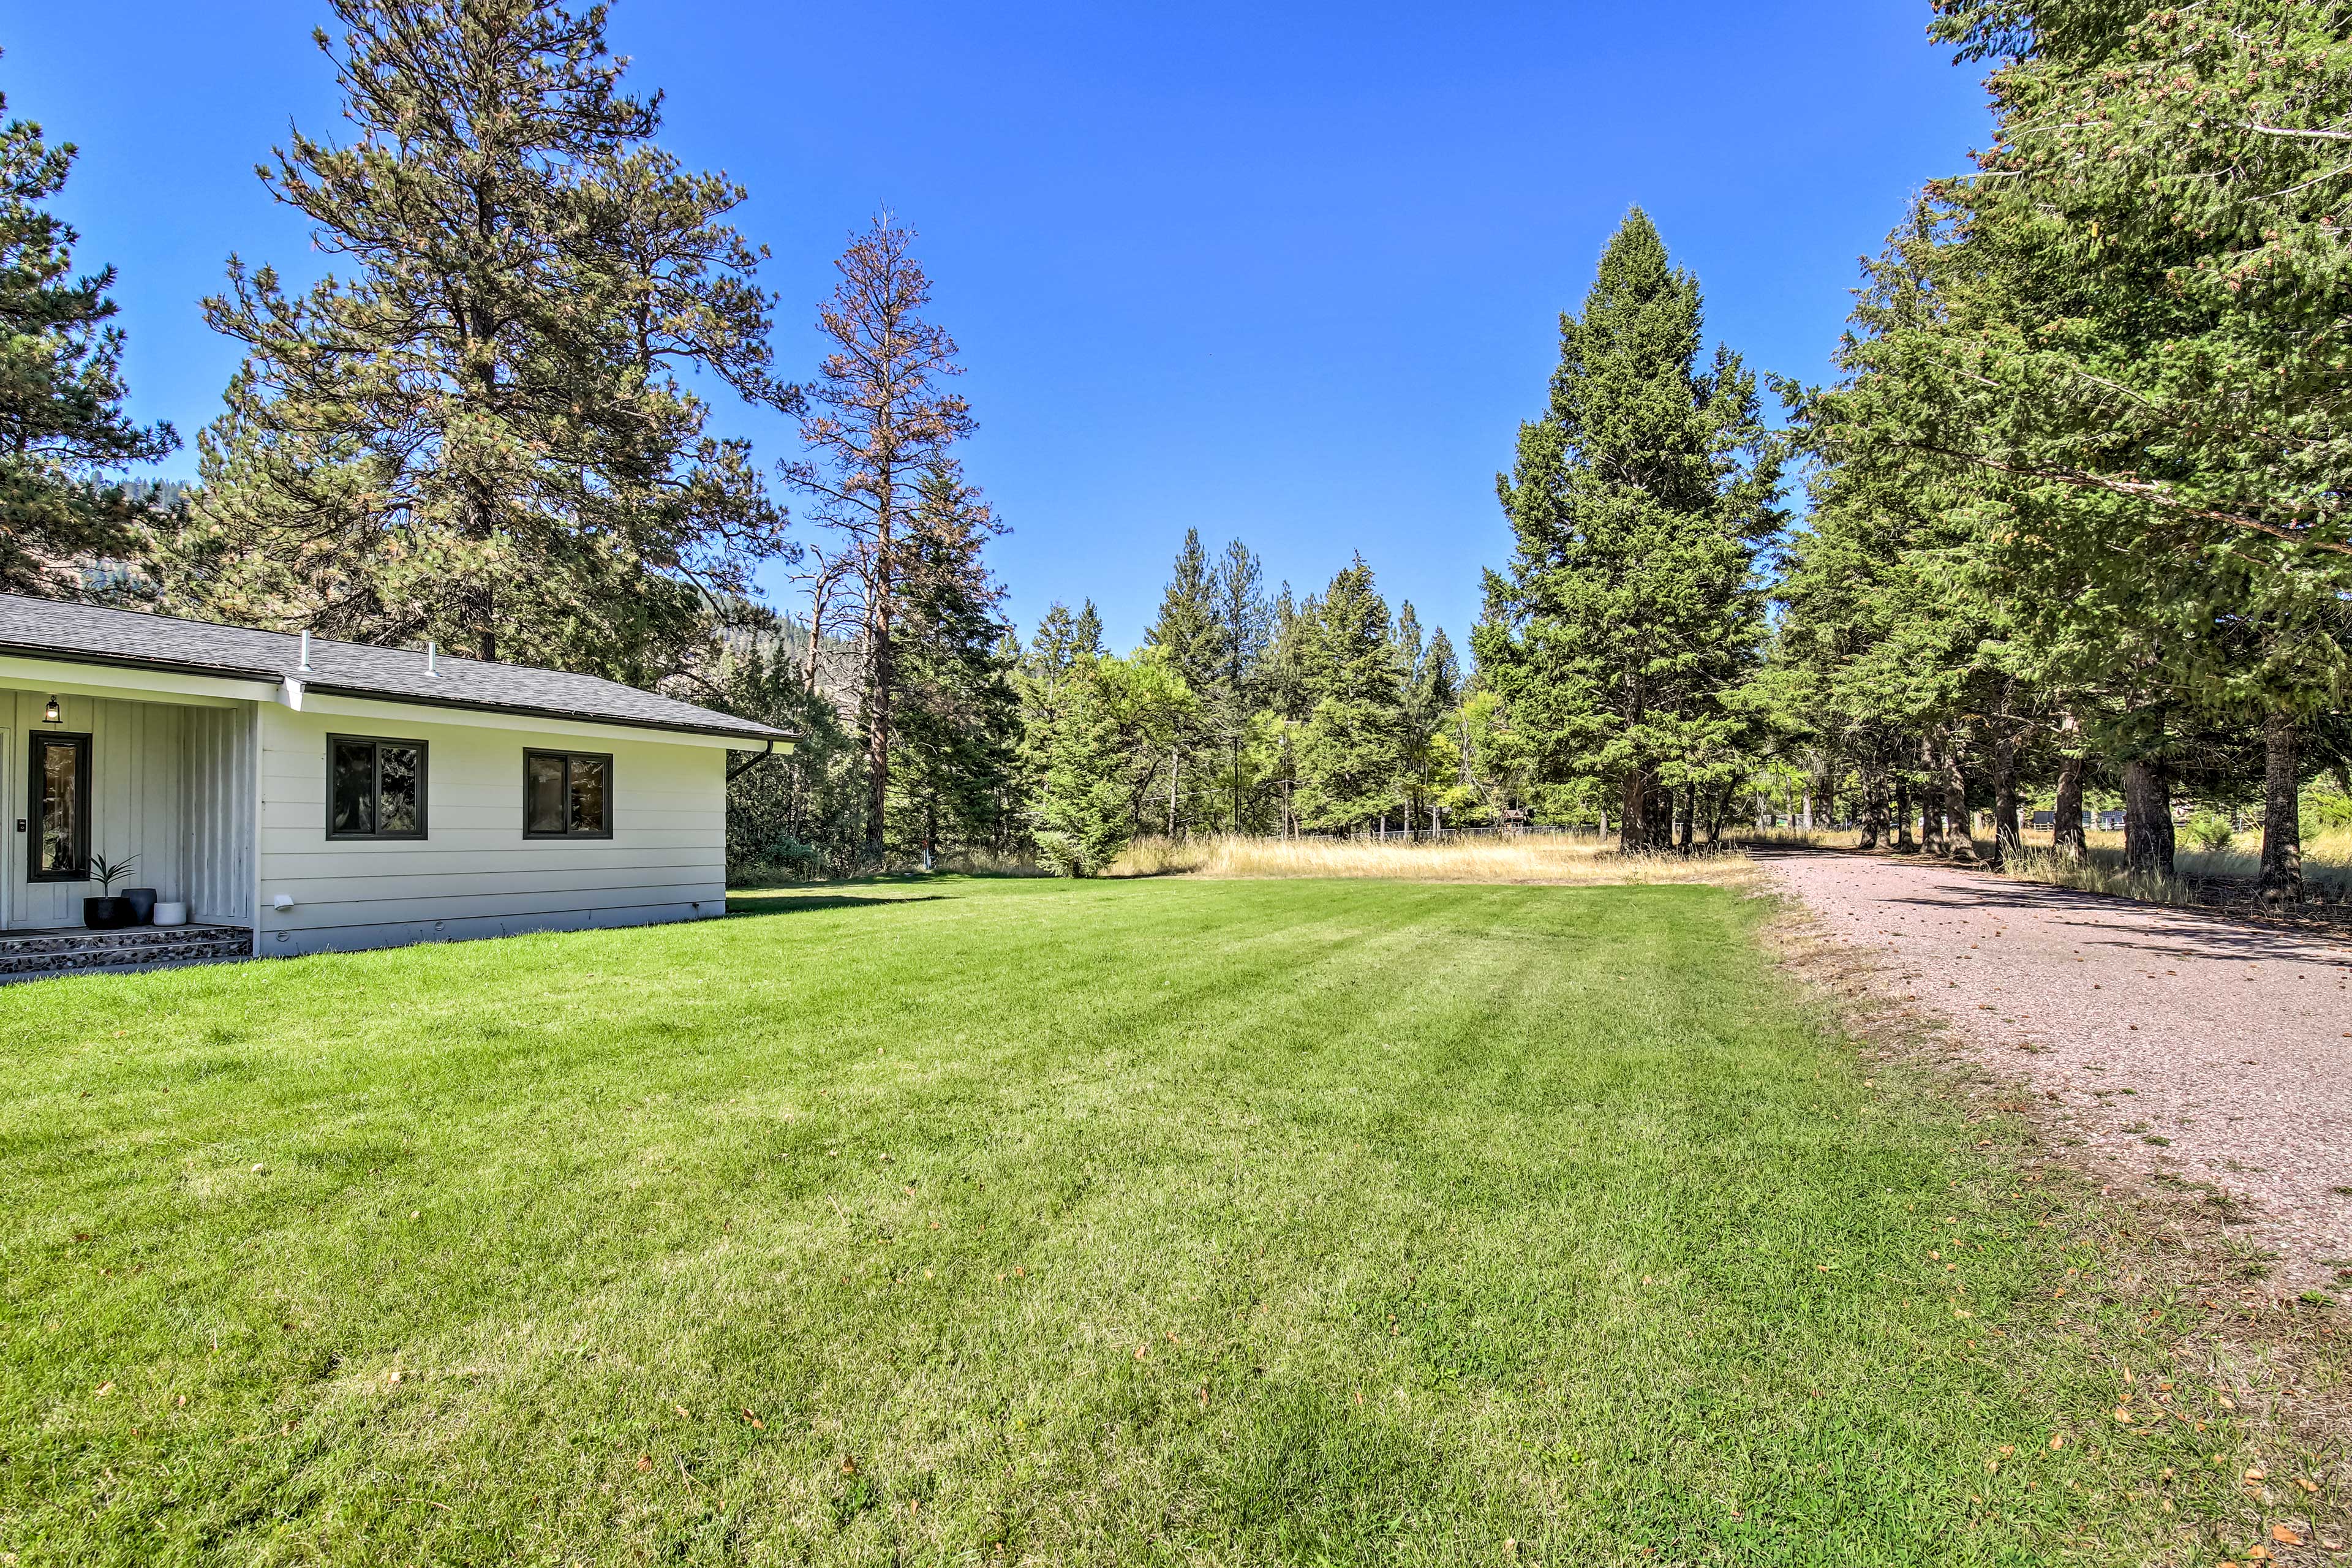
x=476 y=430
x=62 y=426
x=881 y=422
x=1350 y=750
x=1639 y=502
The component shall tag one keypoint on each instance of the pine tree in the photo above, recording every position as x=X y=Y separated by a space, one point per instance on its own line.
x=1189 y=636
x=955 y=708
x=1639 y=502
x=1230 y=699
x=1349 y=756
x=878 y=423
x=800 y=812
x=1082 y=817
x=62 y=425
x=1116 y=711
x=480 y=433
x=1188 y=632
x=1045 y=680
x=2146 y=364
x=1431 y=689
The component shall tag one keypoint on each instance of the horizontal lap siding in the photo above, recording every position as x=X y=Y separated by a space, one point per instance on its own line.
x=476 y=874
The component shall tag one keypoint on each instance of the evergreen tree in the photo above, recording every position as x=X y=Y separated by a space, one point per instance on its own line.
x=62 y=425
x=1114 y=710
x=1431 y=689
x=1639 y=503
x=1231 y=698
x=800 y=812
x=878 y=424
x=479 y=434
x=1349 y=755
x=1045 y=680
x=1083 y=819
x=1188 y=631
x=955 y=707
x=1189 y=636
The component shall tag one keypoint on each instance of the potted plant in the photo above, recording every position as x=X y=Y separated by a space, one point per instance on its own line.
x=108 y=912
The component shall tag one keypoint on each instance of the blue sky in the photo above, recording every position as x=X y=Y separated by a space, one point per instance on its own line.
x=1286 y=272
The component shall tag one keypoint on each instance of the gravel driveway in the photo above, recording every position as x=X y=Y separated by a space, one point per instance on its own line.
x=2178 y=1043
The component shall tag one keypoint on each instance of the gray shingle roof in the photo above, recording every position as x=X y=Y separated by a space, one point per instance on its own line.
x=85 y=634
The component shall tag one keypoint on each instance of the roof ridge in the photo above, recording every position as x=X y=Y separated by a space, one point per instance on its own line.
x=316 y=640
x=76 y=631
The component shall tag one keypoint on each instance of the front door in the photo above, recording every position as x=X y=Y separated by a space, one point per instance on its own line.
x=50 y=851
x=12 y=844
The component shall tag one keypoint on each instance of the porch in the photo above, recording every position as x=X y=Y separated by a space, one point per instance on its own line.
x=166 y=784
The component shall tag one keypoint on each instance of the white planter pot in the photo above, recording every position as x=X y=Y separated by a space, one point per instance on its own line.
x=171 y=914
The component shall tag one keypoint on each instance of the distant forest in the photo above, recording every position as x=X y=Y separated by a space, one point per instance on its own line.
x=2069 y=527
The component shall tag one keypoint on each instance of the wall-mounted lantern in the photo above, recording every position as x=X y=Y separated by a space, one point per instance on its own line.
x=52 y=715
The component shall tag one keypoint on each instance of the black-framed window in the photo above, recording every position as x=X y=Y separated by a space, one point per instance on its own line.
x=567 y=795
x=60 y=799
x=375 y=787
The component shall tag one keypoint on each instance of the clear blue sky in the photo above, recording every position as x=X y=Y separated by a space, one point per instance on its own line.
x=1289 y=272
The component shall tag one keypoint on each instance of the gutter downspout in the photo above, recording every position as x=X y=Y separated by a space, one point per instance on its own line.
x=747 y=764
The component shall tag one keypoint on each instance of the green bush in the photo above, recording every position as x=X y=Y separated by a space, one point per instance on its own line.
x=2209 y=830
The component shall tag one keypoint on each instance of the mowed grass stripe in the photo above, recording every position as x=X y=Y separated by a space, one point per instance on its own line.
x=1127 y=1222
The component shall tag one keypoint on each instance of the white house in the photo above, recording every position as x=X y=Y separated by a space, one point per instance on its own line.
x=298 y=795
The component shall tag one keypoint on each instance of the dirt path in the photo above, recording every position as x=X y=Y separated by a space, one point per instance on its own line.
x=2179 y=1044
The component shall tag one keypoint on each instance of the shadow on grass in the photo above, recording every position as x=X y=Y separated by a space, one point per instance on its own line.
x=786 y=903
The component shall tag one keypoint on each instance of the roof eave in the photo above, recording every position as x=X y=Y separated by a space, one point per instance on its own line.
x=751 y=733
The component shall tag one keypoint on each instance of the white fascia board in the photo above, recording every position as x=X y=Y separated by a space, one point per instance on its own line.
x=392 y=711
x=129 y=683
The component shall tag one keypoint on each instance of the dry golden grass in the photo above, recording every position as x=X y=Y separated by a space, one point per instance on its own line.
x=1527 y=858
x=2326 y=867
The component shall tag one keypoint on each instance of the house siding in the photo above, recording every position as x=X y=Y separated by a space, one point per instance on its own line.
x=137 y=764
x=475 y=874
x=218 y=815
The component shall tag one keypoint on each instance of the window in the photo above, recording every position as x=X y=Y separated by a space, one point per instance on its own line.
x=375 y=789
x=567 y=795
x=60 y=794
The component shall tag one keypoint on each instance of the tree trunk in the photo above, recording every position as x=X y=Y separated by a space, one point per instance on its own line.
x=2281 y=875
x=1690 y=815
x=1658 y=818
x=1931 y=802
x=2005 y=834
x=879 y=675
x=2067 y=842
x=1903 y=844
x=2147 y=818
x=1175 y=762
x=1959 y=838
x=1630 y=839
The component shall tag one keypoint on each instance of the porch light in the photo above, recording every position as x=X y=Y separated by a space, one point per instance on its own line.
x=51 y=715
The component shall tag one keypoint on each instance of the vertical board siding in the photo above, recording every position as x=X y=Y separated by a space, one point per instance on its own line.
x=475 y=874
x=217 y=813
x=136 y=767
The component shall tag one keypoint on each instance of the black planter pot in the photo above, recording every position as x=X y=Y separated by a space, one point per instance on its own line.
x=143 y=905
x=105 y=914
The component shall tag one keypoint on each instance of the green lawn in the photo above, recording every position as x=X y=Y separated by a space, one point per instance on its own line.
x=1135 y=1222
